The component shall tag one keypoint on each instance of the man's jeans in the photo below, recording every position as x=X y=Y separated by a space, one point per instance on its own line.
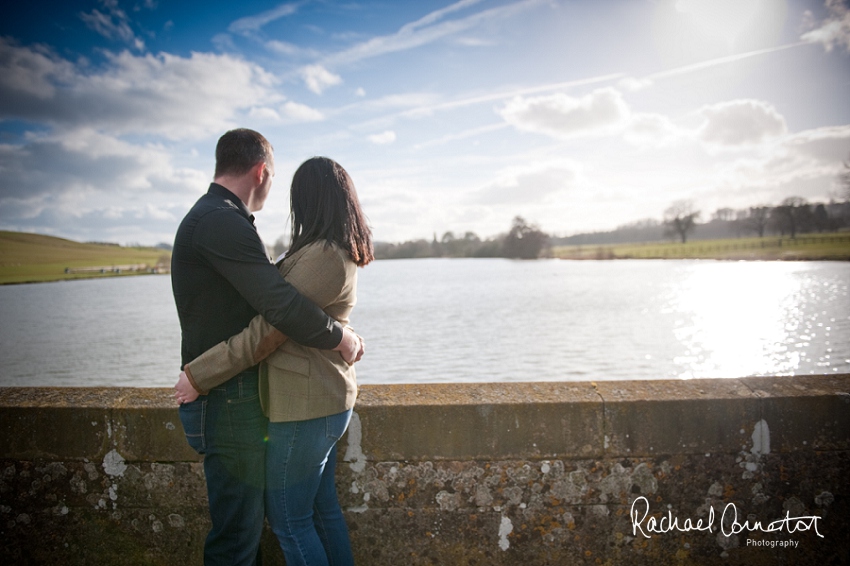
x=228 y=427
x=301 y=498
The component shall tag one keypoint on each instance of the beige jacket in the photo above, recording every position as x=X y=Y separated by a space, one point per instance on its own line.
x=296 y=383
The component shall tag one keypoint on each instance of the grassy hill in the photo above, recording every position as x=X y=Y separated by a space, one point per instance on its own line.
x=804 y=247
x=30 y=258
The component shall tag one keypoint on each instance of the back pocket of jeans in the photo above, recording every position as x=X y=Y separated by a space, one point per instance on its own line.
x=193 y=417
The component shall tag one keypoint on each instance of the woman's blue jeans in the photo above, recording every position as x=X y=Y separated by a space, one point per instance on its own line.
x=301 y=501
x=228 y=427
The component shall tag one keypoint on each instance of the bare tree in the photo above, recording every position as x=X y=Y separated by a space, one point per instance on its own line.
x=792 y=216
x=820 y=218
x=757 y=219
x=723 y=214
x=680 y=219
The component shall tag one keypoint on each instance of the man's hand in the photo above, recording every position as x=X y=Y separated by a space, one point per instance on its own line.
x=184 y=392
x=352 y=346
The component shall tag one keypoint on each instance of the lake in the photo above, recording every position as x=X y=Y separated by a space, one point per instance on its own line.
x=466 y=320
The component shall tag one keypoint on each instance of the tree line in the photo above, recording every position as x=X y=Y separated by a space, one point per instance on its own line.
x=524 y=240
x=681 y=222
x=794 y=215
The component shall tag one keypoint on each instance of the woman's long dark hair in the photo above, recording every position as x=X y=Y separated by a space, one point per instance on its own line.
x=324 y=206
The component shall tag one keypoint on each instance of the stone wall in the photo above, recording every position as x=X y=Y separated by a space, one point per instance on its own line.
x=731 y=471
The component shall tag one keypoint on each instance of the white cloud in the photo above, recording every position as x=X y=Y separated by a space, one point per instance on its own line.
x=156 y=212
x=740 y=123
x=223 y=42
x=828 y=145
x=528 y=185
x=27 y=72
x=465 y=134
x=427 y=105
x=383 y=138
x=301 y=113
x=651 y=130
x=426 y=30
x=282 y=47
x=632 y=84
x=802 y=164
x=176 y=97
x=289 y=49
x=249 y=24
x=89 y=160
x=716 y=62
x=318 y=78
x=600 y=112
x=82 y=183
x=264 y=113
x=835 y=30
x=114 y=24
x=474 y=42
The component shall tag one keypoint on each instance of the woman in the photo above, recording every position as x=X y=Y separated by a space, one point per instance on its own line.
x=307 y=394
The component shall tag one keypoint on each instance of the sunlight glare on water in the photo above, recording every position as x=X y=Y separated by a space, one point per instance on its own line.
x=443 y=320
x=735 y=321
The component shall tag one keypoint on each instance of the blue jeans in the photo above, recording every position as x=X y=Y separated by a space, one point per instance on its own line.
x=228 y=427
x=301 y=500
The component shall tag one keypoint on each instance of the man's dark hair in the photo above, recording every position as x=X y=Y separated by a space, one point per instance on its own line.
x=240 y=149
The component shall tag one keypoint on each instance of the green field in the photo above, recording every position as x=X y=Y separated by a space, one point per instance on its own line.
x=32 y=258
x=804 y=247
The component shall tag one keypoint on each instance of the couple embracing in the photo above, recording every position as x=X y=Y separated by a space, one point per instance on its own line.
x=268 y=382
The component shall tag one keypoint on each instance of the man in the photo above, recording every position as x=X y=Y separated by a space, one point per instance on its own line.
x=221 y=278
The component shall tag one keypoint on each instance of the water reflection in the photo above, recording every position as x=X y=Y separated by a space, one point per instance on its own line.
x=754 y=319
x=477 y=320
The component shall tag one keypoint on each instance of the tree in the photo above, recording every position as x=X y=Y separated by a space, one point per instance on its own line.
x=820 y=218
x=680 y=219
x=757 y=219
x=791 y=216
x=451 y=246
x=524 y=241
x=724 y=215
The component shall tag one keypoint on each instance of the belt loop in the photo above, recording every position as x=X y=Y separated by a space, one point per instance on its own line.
x=240 y=386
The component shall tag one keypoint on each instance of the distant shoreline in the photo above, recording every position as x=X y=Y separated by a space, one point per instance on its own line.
x=79 y=278
x=33 y=258
x=754 y=259
x=808 y=247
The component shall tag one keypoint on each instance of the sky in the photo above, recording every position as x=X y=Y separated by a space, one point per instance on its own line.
x=449 y=116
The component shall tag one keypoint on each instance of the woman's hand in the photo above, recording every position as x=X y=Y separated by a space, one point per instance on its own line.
x=184 y=392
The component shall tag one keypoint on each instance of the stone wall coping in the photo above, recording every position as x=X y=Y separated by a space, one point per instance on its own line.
x=474 y=393
x=451 y=421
